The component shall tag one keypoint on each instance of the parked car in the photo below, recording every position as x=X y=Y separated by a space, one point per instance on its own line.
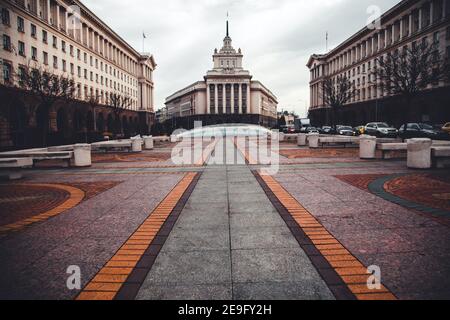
x=360 y=130
x=345 y=131
x=312 y=130
x=446 y=128
x=327 y=130
x=381 y=129
x=287 y=129
x=421 y=130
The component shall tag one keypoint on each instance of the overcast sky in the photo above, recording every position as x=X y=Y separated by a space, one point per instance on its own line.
x=276 y=36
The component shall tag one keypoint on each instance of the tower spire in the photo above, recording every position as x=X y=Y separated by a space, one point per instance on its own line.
x=228 y=34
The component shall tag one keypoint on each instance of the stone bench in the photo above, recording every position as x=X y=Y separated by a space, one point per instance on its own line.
x=345 y=141
x=113 y=145
x=13 y=166
x=77 y=155
x=65 y=156
x=388 y=150
x=440 y=156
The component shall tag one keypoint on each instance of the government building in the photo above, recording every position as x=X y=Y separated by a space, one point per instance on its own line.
x=227 y=94
x=408 y=23
x=64 y=37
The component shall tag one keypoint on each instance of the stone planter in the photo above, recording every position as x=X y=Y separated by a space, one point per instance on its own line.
x=301 y=139
x=82 y=155
x=148 y=143
x=367 y=147
x=419 y=153
x=313 y=140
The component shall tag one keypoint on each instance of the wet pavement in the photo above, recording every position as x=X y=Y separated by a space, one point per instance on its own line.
x=230 y=240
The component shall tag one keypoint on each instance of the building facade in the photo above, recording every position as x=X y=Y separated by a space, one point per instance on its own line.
x=65 y=38
x=406 y=24
x=227 y=94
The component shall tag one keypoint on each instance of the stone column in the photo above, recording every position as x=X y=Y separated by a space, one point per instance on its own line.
x=420 y=19
x=48 y=11
x=216 y=98
x=208 y=99
x=57 y=16
x=232 y=98
x=240 y=98
x=249 y=100
x=224 y=98
x=431 y=12
x=401 y=28
x=410 y=21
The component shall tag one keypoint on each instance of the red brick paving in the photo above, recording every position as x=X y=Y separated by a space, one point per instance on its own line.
x=130 y=157
x=426 y=189
x=360 y=181
x=320 y=153
x=19 y=202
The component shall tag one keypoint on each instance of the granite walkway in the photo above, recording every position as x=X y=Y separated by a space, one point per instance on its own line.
x=231 y=243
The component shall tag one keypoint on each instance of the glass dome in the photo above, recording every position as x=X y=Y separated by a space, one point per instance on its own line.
x=229 y=130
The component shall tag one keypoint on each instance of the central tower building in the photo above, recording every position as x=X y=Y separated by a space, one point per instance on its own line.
x=227 y=95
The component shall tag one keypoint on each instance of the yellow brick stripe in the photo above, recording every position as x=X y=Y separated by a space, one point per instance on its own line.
x=110 y=279
x=75 y=197
x=348 y=267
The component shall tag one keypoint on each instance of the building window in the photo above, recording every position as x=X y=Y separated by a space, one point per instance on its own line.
x=63 y=46
x=45 y=57
x=20 y=24
x=64 y=66
x=44 y=36
x=212 y=98
x=21 y=48
x=21 y=74
x=55 y=62
x=79 y=72
x=55 y=42
x=78 y=54
x=72 y=69
x=71 y=50
x=6 y=42
x=7 y=72
x=5 y=17
x=34 y=53
x=33 y=31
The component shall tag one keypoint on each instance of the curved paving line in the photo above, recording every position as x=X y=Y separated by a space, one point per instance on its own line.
x=377 y=187
x=75 y=197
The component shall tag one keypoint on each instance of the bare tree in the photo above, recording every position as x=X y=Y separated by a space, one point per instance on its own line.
x=47 y=88
x=408 y=71
x=336 y=93
x=119 y=103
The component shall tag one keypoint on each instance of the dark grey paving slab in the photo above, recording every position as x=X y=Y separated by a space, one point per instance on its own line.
x=231 y=245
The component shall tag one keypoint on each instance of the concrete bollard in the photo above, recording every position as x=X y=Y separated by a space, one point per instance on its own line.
x=82 y=155
x=173 y=139
x=301 y=139
x=281 y=137
x=136 y=144
x=367 y=147
x=419 y=153
x=313 y=140
x=148 y=143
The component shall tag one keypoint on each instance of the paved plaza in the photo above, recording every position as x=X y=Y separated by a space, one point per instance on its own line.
x=139 y=226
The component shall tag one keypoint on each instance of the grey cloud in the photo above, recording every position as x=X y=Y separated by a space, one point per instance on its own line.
x=276 y=36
